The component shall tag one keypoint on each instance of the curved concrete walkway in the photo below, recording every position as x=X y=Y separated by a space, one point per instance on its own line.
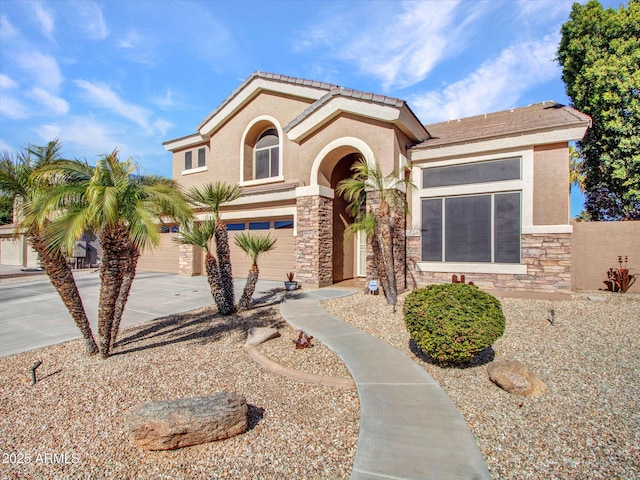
x=409 y=428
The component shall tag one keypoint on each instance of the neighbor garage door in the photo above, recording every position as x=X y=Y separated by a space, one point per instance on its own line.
x=273 y=265
x=164 y=258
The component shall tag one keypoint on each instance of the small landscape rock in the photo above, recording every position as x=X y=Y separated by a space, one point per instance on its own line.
x=516 y=378
x=258 y=335
x=171 y=424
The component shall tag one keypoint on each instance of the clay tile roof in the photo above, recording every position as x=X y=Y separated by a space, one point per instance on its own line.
x=516 y=121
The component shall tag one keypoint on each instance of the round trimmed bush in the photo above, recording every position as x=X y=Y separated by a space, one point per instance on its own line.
x=453 y=322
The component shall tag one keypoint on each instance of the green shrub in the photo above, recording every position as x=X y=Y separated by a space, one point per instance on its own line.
x=453 y=322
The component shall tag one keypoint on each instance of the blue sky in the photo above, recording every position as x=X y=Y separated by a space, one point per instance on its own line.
x=132 y=74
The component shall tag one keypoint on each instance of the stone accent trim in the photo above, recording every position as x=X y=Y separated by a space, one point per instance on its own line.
x=314 y=243
x=547 y=257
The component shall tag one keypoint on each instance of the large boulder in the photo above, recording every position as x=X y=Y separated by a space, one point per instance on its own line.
x=516 y=378
x=171 y=424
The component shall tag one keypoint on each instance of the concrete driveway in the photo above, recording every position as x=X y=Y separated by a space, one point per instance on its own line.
x=33 y=316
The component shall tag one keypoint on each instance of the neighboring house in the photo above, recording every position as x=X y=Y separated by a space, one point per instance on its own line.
x=491 y=198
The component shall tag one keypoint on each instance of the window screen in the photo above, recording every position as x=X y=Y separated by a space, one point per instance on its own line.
x=202 y=160
x=188 y=162
x=432 y=230
x=478 y=228
x=468 y=229
x=507 y=228
x=494 y=171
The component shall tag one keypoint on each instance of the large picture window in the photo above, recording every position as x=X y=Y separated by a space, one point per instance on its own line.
x=474 y=228
x=267 y=155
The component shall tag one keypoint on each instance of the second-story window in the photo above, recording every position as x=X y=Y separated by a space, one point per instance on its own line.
x=188 y=160
x=202 y=158
x=267 y=155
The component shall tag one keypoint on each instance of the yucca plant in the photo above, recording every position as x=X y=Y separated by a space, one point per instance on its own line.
x=253 y=246
x=212 y=196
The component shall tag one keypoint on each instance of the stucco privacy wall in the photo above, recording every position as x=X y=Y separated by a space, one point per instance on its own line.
x=551 y=184
x=596 y=247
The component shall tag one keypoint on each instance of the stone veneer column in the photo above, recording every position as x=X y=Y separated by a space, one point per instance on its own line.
x=185 y=260
x=314 y=241
x=398 y=222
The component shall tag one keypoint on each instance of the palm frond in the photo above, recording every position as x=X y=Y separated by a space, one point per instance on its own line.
x=197 y=234
x=255 y=245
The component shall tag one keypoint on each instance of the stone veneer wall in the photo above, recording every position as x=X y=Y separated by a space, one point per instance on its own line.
x=547 y=257
x=314 y=243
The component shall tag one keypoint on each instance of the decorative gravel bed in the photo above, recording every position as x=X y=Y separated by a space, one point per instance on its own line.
x=70 y=424
x=586 y=427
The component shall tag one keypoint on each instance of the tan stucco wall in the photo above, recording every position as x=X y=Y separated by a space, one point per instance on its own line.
x=379 y=138
x=595 y=249
x=551 y=184
x=223 y=162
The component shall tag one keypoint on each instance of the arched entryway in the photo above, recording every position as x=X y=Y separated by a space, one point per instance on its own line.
x=345 y=244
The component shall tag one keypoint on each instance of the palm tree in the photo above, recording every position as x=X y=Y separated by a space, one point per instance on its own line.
x=200 y=235
x=125 y=210
x=378 y=222
x=253 y=246
x=212 y=196
x=17 y=179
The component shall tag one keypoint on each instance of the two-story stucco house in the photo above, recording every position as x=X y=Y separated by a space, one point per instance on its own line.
x=491 y=196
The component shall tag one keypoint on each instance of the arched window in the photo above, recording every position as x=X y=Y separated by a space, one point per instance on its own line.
x=267 y=155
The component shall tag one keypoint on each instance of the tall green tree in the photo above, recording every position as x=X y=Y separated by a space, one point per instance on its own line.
x=125 y=210
x=213 y=196
x=18 y=179
x=253 y=246
x=378 y=220
x=600 y=56
x=6 y=208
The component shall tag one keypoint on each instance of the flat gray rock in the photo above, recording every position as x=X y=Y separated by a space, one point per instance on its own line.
x=171 y=424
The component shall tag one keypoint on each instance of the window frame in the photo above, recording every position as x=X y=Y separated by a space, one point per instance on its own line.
x=270 y=151
x=524 y=186
x=444 y=230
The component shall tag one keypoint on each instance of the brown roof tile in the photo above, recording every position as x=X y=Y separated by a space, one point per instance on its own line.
x=539 y=116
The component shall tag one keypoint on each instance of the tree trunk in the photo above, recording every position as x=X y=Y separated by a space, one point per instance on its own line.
x=386 y=247
x=115 y=248
x=224 y=264
x=129 y=275
x=213 y=277
x=59 y=272
x=249 y=288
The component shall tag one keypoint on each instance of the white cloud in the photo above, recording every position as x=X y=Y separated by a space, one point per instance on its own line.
x=399 y=43
x=102 y=96
x=46 y=19
x=543 y=10
x=163 y=126
x=7 y=30
x=497 y=84
x=6 y=82
x=42 y=68
x=82 y=137
x=89 y=19
x=12 y=108
x=54 y=103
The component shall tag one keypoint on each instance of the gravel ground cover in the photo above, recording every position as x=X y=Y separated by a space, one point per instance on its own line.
x=70 y=424
x=586 y=427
